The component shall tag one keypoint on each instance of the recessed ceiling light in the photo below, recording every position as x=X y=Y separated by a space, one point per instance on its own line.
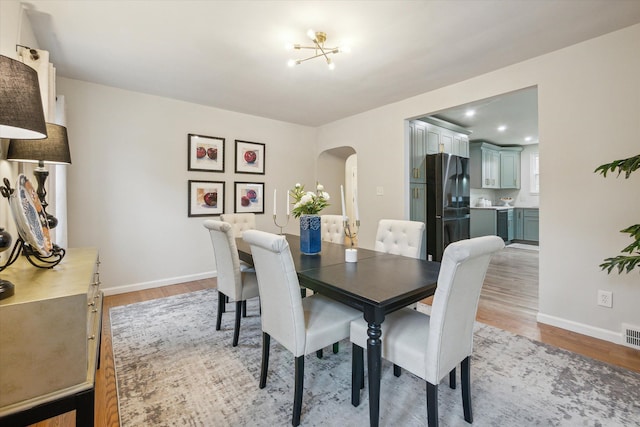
x=528 y=138
x=470 y=113
x=502 y=128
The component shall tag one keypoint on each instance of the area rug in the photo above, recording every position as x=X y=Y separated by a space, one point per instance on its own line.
x=174 y=369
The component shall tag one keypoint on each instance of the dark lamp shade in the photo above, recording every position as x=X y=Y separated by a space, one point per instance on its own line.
x=21 y=114
x=54 y=149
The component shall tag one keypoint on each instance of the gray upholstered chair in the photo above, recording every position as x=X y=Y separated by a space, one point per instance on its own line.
x=236 y=280
x=432 y=346
x=400 y=237
x=332 y=228
x=240 y=222
x=301 y=325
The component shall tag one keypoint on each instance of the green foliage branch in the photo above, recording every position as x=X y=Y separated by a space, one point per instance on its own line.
x=624 y=263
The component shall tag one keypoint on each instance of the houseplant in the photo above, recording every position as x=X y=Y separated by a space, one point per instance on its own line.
x=307 y=206
x=624 y=262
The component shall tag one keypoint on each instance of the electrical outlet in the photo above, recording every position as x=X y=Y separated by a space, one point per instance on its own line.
x=605 y=298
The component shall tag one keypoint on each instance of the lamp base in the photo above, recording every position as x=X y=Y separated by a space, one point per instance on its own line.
x=6 y=289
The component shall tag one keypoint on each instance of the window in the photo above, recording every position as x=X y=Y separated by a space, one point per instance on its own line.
x=534 y=173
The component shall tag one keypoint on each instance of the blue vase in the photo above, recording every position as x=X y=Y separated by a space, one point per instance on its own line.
x=310 y=234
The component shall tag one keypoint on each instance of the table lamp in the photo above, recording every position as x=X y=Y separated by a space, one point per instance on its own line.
x=21 y=116
x=52 y=150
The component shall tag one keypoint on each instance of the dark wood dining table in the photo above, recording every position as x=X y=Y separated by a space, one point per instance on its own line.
x=377 y=284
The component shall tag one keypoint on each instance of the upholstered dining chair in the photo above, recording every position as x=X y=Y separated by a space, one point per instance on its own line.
x=332 y=228
x=301 y=325
x=236 y=280
x=240 y=222
x=400 y=237
x=432 y=346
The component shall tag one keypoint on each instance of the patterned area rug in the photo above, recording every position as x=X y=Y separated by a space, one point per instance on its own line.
x=174 y=369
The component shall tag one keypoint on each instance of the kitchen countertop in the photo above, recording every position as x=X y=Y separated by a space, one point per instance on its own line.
x=498 y=208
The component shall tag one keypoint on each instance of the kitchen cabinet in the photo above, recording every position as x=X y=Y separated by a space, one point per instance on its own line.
x=418 y=151
x=527 y=224
x=510 y=167
x=519 y=223
x=50 y=340
x=491 y=166
x=510 y=225
x=483 y=222
x=418 y=205
x=530 y=225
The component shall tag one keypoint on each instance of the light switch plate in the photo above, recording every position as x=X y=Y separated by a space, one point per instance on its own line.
x=379 y=191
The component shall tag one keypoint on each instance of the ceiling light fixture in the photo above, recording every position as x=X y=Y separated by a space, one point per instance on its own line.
x=470 y=113
x=320 y=50
x=502 y=128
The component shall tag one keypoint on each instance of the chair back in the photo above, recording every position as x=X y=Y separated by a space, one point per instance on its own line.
x=282 y=314
x=400 y=237
x=455 y=303
x=240 y=222
x=226 y=255
x=332 y=228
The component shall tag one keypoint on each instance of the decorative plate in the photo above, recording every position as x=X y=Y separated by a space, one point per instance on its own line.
x=31 y=220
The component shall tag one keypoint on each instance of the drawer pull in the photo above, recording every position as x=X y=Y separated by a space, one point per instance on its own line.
x=95 y=310
x=92 y=304
x=92 y=337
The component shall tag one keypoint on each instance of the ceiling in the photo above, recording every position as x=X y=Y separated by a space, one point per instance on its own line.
x=230 y=54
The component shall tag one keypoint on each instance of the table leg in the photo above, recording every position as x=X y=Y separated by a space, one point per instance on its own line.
x=374 y=361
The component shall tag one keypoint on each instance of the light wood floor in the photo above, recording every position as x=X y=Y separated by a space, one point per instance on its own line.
x=508 y=301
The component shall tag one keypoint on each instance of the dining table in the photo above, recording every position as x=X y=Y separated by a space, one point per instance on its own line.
x=377 y=284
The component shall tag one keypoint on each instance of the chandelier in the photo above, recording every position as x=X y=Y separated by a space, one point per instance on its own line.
x=320 y=50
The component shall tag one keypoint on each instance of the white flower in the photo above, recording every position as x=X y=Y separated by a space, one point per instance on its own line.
x=325 y=195
x=307 y=198
x=320 y=187
x=298 y=185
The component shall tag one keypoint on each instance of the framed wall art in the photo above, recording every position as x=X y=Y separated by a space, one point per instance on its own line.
x=206 y=198
x=249 y=197
x=250 y=157
x=206 y=153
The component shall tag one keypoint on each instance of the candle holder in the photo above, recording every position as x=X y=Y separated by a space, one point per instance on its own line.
x=275 y=221
x=351 y=254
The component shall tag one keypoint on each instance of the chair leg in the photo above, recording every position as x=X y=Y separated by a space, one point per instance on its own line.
x=236 y=328
x=336 y=347
x=465 y=380
x=432 y=405
x=357 y=373
x=397 y=370
x=297 y=394
x=244 y=308
x=221 y=298
x=319 y=354
x=452 y=379
x=266 y=340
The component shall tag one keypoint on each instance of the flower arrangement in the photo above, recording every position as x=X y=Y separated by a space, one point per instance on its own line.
x=308 y=202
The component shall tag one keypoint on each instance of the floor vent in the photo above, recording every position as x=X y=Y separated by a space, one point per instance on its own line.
x=631 y=335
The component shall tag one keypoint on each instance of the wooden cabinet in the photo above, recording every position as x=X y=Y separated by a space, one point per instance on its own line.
x=49 y=339
x=418 y=151
x=491 y=166
x=483 y=222
x=510 y=225
x=519 y=223
x=418 y=205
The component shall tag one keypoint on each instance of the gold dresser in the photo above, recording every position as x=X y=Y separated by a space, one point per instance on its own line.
x=50 y=340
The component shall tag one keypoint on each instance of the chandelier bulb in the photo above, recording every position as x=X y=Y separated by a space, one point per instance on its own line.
x=311 y=34
x=291 y=63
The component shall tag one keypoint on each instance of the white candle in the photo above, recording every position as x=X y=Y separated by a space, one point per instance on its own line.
x=274 y=202
x=355 y=202
x=288 y=203
x=344 y=212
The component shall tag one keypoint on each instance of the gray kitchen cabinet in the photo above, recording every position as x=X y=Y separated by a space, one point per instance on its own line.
x=519 y=223
x=530 y=225
x=418 y=151
x=418 y=205
x=491 y=166
x=510 y=167
x=483 y=222
x=510 y=225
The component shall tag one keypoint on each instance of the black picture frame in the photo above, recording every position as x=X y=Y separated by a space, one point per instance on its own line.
x=199 y=201
x=205 y=153
x=250 y=157
x=246 y=201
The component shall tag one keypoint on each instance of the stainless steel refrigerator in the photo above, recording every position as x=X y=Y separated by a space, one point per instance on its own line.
x=447 y=199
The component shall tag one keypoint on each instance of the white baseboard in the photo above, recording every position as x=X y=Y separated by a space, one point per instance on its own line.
x=158 y=283
x=580 y=328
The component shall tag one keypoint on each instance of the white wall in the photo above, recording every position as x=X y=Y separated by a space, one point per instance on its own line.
x=128 y=181
x=589 y=104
